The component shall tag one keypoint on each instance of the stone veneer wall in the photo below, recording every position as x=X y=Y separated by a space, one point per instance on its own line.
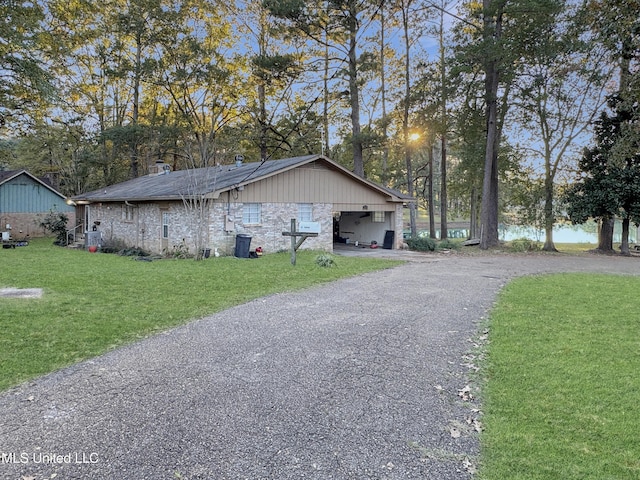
x=145 y=229
x=276 y=218
x=399 y=226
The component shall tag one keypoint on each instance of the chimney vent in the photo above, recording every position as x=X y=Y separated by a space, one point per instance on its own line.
x=159 y=168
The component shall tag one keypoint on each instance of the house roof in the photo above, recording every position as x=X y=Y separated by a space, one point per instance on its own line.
x=213 y=181
x=8 y=175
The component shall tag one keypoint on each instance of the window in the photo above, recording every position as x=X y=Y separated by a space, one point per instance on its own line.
x=127 y=213
x=378 y=217
x=252 y=213
x=165 y=225
x=305 y=212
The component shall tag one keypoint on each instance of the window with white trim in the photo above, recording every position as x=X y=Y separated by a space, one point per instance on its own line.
x=165 y=225
x=252 y=213
x=305 y=212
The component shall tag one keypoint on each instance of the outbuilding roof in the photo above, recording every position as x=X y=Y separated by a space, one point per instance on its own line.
x=213 y=181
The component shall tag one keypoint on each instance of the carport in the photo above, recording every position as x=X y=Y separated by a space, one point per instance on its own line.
x=379 y=227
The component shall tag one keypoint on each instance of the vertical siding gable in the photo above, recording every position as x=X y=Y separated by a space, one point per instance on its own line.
x=310 y=184
x=24 y=195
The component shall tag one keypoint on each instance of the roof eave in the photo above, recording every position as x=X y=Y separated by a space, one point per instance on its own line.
x=85 y=200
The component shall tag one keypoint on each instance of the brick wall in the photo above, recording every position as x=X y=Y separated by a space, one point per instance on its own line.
x=141 y=226
x=28 y=224
x=276 y=218
x=398 y=240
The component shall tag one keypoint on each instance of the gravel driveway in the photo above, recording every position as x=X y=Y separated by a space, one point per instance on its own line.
x=363 y=378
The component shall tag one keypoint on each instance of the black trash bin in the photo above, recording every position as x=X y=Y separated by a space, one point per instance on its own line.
x=389 y=236
x=243 y=242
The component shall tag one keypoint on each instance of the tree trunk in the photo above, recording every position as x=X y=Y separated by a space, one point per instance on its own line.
x=605 y=235
x=410 y=189
x=354 y=92
x=432 y=220
x=133 y=161
x=405 y=119
x=443 y=189
x=549 y=246
x=262 y=121
x=383 y=101
x=489 y=211
x=443 y=139
x=473 y=215
x=325 y=103
x=624 y=247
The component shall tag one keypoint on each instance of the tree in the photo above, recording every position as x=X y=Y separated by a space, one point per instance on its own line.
x=617 y=26
x=299 y=131
x=610 y=176
x=141 y=27
x=468 y=142
x=405 y=6
x=444 y=123
x=206 y=87
x=276 y=64
x=56 y=223
x=557 y=99
x=426 y=173
x=493 y=15
x=93 y=92
x=24 y=78
x=61 y=152
x=502 y=35
x=337 y=26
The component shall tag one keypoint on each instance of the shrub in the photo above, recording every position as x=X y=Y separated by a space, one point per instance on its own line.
x=133 y=252
x=112 y=245
x=421 y=244
x=524 y=245
x=180 y=250
x=56 y=223
x=448 y=244
x=325 y=260
x=119 y=246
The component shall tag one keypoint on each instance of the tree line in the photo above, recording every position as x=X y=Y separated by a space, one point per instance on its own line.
x=480 y=110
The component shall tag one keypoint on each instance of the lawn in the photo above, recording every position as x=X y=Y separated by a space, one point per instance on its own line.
x=562 y=391
x=94 y=302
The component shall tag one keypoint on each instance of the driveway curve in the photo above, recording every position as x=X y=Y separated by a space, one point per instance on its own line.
x=363 y=378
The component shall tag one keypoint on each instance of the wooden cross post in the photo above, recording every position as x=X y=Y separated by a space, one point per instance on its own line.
x=295 y=242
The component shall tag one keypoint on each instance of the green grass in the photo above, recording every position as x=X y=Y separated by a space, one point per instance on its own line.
x=562 y=389
x=95 y=302
x=574 y=248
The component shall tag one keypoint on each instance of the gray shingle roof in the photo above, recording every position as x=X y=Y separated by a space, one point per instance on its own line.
x=205 y=181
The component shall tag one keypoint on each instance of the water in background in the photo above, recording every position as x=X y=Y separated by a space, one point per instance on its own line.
x=586 y=233
x=561 y=233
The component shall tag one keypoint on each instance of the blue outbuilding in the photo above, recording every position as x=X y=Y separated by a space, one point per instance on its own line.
x=25 y=200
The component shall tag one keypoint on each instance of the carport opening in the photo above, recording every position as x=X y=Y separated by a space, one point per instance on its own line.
x=364 y=228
